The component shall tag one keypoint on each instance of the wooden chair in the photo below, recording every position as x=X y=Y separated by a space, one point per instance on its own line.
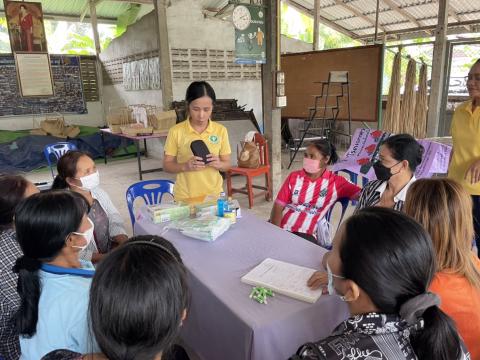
x=263 y=169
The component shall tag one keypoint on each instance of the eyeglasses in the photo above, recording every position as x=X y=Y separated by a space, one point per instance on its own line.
x=472 y=77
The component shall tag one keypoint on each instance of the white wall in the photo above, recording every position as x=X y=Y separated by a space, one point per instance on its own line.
x=188 y=28
x=23 y=122
x=289 y=45
x=247 y=92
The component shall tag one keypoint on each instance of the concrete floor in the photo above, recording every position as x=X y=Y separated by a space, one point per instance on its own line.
x=118 y=175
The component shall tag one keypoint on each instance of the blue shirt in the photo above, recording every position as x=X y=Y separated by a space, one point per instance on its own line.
x=62 y=313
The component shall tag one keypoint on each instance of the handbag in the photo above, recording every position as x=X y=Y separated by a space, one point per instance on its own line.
x=249 y=155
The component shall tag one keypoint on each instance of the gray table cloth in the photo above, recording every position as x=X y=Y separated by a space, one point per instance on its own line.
x=222 y=321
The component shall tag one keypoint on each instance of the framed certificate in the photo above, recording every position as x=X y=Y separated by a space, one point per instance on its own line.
x=34 y=74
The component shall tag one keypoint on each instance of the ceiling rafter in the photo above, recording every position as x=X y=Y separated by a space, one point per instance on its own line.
x=322 y=19
x=394 y=6
x=357 y=12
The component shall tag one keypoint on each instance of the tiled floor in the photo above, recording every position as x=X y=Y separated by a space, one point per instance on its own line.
x=118 y=175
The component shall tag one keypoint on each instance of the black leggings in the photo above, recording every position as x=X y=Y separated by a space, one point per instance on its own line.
x=476 y=219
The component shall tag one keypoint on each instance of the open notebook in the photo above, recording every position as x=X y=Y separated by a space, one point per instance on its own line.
x=283 y=278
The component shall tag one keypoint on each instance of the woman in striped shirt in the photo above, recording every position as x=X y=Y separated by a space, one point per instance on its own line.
x=307 y=194
x=395 y=167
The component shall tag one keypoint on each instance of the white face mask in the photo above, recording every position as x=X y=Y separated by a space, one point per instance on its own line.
x=330 y=287
x=89 y=182
x=88 y=235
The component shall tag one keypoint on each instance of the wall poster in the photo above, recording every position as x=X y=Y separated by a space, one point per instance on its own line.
x=34 y=74
x=249 y=23
x=25 y=26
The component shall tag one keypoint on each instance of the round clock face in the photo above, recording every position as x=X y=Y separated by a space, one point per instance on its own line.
x=241 y=17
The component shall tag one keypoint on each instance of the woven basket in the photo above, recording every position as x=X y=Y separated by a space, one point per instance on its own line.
x=162 y=120
x=119 y=117
x=127 y=130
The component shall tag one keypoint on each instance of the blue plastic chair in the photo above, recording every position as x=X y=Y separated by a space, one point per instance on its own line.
x=354 y=179
x=344 y=203
x=151 y=191
x=58 y=150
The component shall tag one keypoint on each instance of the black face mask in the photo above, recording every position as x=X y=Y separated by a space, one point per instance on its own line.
x=382 y=172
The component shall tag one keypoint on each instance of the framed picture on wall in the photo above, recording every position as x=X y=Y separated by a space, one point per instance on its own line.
x=34 y=74
x=25 y=26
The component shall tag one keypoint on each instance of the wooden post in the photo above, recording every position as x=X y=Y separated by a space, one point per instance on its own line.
x=438 y=65
x=164 y=54
x=377 y=12
x=272 y=114
x=316 y=24
x=98 y=50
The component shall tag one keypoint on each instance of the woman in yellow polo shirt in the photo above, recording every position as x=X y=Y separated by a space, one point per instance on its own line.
x=465 y=160
x=196 y=179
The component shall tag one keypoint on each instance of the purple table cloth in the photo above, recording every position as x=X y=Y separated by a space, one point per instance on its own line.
x=222 y=322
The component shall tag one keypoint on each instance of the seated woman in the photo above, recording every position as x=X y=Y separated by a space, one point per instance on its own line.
x=53 y=284
x=444 y=208
x=13 y=188
x=77 y=172
x=395 y=167
x=156 y=297
x=307 y=194
x=381 y=265
x=195 y=179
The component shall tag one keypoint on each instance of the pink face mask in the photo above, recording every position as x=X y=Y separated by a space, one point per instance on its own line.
x=311 y=166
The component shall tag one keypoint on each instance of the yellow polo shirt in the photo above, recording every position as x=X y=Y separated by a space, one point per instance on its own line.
x=465 y=132
x=193 y=186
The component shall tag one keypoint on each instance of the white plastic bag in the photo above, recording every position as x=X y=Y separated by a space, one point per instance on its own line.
x=324 y=236
x=207 y=228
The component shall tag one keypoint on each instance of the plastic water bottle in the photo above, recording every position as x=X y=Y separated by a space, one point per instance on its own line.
x=221 y=202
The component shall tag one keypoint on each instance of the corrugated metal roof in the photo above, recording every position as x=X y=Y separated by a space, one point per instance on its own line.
x=356 y=17
x=106 y=10
x=396 y=17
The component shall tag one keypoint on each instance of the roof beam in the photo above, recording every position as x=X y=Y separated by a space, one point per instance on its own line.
x=411 y=33
x=222 y=10
x=71 y=18
x=357 y=12
x=322 y=19
x=84 y=11
x=453 y=13
x=393 y=5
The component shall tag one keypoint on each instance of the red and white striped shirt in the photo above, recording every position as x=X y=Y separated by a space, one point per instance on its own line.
x=306 y=200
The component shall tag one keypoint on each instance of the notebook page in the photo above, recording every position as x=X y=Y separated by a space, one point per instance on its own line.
x=283 y=278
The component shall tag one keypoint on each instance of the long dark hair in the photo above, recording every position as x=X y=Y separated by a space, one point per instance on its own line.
x=198 y=89
x=405 y=147
x=391 y=257
x=67 y=168
x=326 y=148
x=142 y=282
x=42 y=223
x=12 y=190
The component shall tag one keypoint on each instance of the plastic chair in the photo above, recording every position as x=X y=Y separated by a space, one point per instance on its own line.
x=354 y=179
x=151 y=191
x=327 y=242
x=263 y=169
x=58 y=150
x=344 y=203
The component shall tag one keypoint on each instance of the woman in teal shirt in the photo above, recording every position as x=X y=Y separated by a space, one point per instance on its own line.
x=53 y=284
